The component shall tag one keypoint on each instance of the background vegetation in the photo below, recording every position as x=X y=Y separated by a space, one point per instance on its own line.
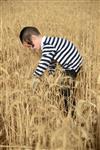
x=31 y=120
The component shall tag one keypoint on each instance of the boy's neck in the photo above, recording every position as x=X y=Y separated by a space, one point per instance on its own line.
x=40 y=40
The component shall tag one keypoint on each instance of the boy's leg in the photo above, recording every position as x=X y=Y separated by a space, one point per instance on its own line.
x=68 y=92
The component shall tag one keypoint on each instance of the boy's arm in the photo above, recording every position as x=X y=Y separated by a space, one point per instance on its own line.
x=44 y=63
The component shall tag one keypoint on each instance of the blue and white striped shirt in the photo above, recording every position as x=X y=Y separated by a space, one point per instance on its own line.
x=58 y=50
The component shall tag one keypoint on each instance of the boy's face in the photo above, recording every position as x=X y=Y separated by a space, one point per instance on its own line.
x=34 y=44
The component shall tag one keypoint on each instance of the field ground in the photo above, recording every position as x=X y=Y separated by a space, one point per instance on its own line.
x=35 y=121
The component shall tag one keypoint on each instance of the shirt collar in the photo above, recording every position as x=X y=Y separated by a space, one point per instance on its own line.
x=42 y=42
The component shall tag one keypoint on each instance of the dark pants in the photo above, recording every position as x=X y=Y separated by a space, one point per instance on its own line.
x=68 y=91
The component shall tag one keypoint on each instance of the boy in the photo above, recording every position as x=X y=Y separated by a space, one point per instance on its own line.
x=54 y=50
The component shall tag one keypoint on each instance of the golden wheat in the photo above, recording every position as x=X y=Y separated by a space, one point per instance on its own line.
x=35 y=121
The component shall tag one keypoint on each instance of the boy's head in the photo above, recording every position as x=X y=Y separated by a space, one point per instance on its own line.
x=31 y=37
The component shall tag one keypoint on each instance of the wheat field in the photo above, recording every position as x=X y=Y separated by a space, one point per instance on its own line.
x=34 y=120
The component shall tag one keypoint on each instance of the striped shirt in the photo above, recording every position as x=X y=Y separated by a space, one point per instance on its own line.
x=58 y=50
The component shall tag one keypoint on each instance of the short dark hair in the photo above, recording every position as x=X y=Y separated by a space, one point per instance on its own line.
x=27 y=32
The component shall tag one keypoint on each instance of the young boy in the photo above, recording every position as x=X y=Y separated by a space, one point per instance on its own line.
x=54 y=50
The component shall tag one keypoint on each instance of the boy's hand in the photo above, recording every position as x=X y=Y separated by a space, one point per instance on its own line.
x=35 y=82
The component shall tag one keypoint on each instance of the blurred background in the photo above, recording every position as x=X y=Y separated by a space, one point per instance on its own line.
x=35 y=121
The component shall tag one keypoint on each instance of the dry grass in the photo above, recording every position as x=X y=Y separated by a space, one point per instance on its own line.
x=31 y=120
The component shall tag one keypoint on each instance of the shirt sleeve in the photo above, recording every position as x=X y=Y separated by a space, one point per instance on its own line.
x=44 y=63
